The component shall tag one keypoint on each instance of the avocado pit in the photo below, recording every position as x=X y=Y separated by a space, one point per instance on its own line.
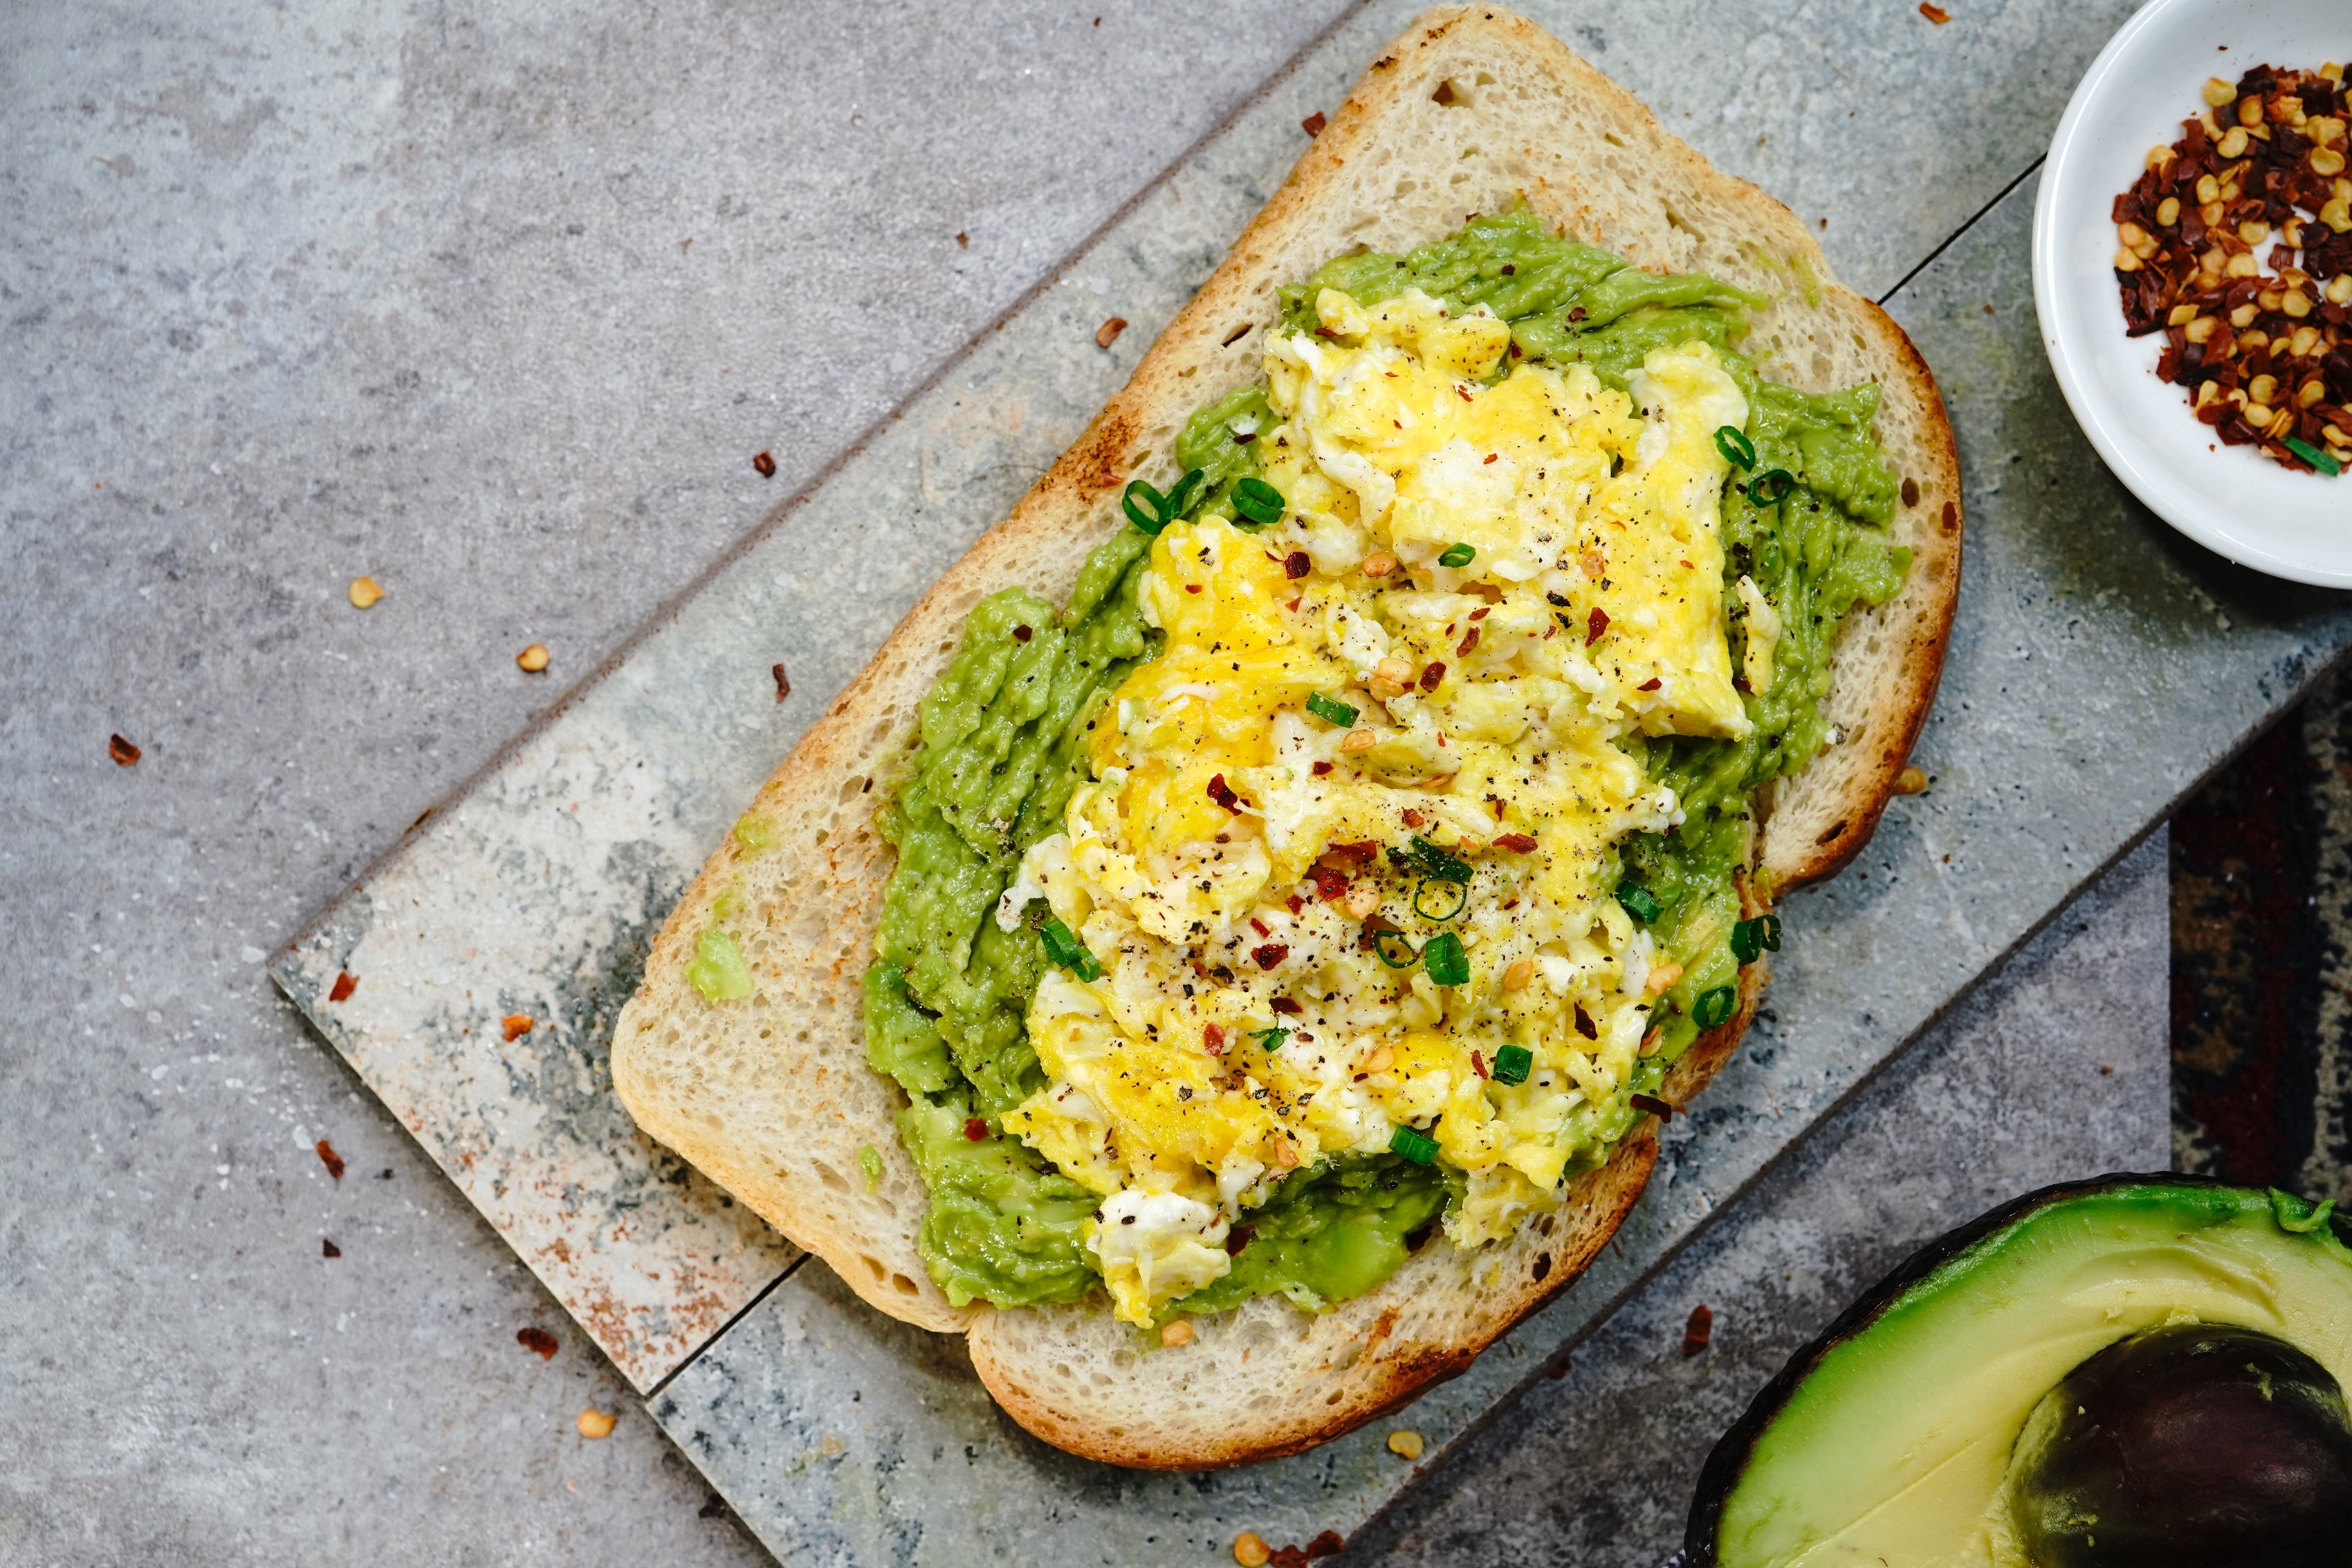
x=2190 y=1444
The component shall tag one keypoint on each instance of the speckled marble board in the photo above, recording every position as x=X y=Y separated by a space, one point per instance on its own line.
x=2099 y=667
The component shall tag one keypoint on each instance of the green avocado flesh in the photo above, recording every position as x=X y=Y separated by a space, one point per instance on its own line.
x=1001 y=751
x=1902 y=1444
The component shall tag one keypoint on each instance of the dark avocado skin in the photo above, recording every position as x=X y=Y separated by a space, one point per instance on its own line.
x=2184 y=1446
x=1729 y=1459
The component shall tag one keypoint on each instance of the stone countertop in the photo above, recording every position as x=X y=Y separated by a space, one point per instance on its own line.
x=458 y=301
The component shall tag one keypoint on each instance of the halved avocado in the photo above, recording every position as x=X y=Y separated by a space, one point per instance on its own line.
x=1895 y=1437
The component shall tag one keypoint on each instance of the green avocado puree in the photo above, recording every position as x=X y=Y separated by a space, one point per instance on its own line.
x=1001 y=748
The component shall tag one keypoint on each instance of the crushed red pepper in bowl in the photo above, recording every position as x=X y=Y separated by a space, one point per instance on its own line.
x=2261 y=338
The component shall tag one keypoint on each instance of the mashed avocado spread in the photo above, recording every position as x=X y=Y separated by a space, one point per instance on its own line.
x=1006 y=738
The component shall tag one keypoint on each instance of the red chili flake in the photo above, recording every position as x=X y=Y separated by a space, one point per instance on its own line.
x=1934 y=12
x=517 y=1025
x=1239 y=1237
x=1698 y=1331
x=1478 y=1064
x=765 y=463
x=1330 y=1543
x=1320 y=769
x=1482 y=612
x=1551 y=632
x=976 y=1129
x=538 y=1342
x=1461 y=649
x=1222 y=794
x=327 y=1248
x=1490 y=457
x=783 y=682
x=121 y=750
x=1518 y=843
x=1330 y=883
x=1270 y=954
x=1212 y=1040
x=1296 y=564
x=1411 y=817
x=1192 y=587
x=1652 y=685
x=1107 y=333
x=1023 y=633
x=1260 y=926
x=1654 y=1106
x=1294 y=903
x=1314 y=123
x=1287 y=1557
x=1290 y=604
x=1462 y=391
x=1431 y=676
x=1584 y=1023
x=1594 y=625
x=331 y=1160
x=1284 y=1005
x=1364 y=850
x=345 y=984
x=964 y=240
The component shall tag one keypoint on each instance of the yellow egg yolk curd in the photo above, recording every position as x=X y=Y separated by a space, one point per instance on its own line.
x=1343 y=876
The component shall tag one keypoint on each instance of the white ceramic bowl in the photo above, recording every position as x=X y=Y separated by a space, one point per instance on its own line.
x=2136 y=94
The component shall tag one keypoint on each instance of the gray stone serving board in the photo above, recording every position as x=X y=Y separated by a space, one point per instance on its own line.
x=2099 y=668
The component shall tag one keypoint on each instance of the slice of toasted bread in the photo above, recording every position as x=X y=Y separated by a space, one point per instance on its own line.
x=1471 y=109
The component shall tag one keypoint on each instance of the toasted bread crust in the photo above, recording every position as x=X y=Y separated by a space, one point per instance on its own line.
x=774 y=1098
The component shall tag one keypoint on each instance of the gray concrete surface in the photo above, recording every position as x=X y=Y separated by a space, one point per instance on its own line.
x=493 y=304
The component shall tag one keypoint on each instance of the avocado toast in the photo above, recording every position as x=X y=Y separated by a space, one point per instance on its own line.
x=821 y=943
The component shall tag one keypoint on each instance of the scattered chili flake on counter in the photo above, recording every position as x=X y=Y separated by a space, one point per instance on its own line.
x=1698 y=1330
x=345 y=984
x=538 y=1342
x=1107 y=333
x=327 y=1248
x=517 y=1025
x=123 y=751
x=764 y=462
x=2261 y=338
x=1314 y=123
x=1935 y=13
x=331 y=1160
x=783 y=682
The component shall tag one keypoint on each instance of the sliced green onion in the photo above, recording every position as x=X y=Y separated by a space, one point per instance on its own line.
x=1737 y=449
x=1418 y=1147
x=2313 y=455
x=1179 y=499
x=1396 y=950
x=1637 y=901
x=1430 y=859
x=1770 y=489
x=1448 y=961
x=1713 y=1007
x=1440 y=898
x=1150 y=510
x=1458 y=555
x=1752 y=938
x=1067 y=951
x=1259 y=501
x=1145 y=507
x=1271 y=1038
x=1331 y=710
x=1512 y=1063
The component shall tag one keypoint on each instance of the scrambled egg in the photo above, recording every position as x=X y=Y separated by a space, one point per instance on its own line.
x=1230 y=865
